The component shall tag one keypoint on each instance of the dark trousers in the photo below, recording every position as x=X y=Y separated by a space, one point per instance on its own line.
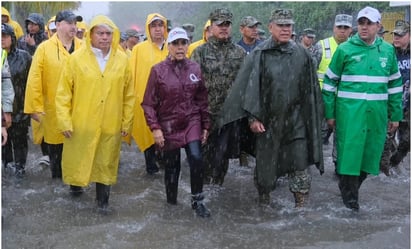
x=102 y=195
x=404 y=133
x=55 y=154
x=150 y=159
x=16 y=148
x=172 y=170
x=349 y=187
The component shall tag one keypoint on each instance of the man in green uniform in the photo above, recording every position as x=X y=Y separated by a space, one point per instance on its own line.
x=362 y=88
x=284 y=107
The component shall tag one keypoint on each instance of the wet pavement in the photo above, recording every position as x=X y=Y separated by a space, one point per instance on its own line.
x=38 y=212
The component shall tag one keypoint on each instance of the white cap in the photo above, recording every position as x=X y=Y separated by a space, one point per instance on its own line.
x=156 y=18
x=52 y=25
x=372 y=14
x=177 y=33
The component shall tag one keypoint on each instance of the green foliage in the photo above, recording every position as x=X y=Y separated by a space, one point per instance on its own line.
x=20 y=10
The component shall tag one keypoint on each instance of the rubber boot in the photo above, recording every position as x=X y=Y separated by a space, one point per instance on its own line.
x=19 y=170
x=102 y=198
x=171 y=179
x=150 y=159
x=199 y=206
x=76 y=191
x=349 y=188
x=243 y=159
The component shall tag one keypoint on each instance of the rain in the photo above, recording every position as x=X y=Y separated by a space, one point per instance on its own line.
x=39 y=212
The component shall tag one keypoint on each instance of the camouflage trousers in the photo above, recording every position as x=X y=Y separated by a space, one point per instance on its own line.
x=300 y=181
x=404 y=138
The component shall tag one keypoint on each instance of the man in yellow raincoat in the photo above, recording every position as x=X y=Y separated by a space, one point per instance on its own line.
x=94 y=106
x=144 y=56
x=6 y=18
x=48 y=61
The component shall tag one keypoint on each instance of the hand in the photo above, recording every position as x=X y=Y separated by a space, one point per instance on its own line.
x=257 y=127
x=67 y=134
x=7 y=117
x=3 y=136
x=158 y=137
x=205 y=134
x=331 y=123
x=30 y=39
x=393 y=126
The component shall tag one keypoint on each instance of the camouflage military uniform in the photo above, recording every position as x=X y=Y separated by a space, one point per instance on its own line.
x=220 y=61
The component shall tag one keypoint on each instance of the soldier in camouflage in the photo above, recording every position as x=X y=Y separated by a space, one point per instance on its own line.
x=220 y=60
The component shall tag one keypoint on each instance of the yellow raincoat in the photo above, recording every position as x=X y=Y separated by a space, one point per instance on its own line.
x=196 y=44
x=18 y=31
x=46 y=27
x=96 y=106
x=48 y=61
x=144 y=56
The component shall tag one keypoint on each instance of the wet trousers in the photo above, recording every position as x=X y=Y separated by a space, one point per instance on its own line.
x=349 y=187
x=216 y=158
x=172 y=170
x=404 y=136
x=150 y=159
x=55 y=154
x=16 y=148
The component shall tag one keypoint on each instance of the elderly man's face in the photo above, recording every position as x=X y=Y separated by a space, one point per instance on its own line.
x=157 y=30
x=281 y=33
x=101 y=38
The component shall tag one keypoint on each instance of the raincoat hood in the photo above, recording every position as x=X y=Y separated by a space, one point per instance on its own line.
x=46 y=27
x=149 y=18
x=98 y=20
x=5 y=12
x=37 y=19
x=207 y=24
x=357 y=41
x=11 y=32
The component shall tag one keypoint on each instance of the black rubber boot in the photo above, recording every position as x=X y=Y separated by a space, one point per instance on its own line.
x=20 y=171
x=102 y=198
x=199 y=206
x=150 y=159
x=76 y=191
x=349 y=188
x=171 y=179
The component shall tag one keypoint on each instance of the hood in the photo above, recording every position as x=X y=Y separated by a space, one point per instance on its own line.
x=5 y=12
x=36 y=18
x=98 y=20
x=46 y=27
x=9 y=30
x=356 y=40
x=149 y=18
x=207 y=24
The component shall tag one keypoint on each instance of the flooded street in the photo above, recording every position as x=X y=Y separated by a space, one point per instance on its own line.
x=38 y=212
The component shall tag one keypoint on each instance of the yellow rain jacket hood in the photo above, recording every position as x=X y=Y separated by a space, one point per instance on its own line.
x=51 y=20
x=96 y=106
x=144 y=56
x=196 y=44
x=18 y=31
x=47 y=64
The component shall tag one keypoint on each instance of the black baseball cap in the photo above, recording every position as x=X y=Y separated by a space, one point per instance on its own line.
x=68 y=16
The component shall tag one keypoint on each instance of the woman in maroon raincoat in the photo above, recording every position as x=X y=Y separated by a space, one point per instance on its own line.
x=176 y=110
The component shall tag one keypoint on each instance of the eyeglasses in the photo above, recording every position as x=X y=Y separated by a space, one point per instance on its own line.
x=178 y=42
x=342 y=27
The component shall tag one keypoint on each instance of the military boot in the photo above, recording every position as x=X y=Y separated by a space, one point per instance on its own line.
x=299 y=199
x=199 y=206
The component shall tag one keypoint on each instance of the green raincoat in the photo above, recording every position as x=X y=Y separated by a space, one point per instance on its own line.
x=362 y=88
x=96 y=106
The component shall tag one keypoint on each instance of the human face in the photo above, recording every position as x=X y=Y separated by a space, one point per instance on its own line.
x=307 y=41
x=80 y=33
x=157 y=30
x=131 y=42
x=65 y=28
x=367 y=30
x=249 y=33
x=4 y=19
x=281 y=33
x=221 y=31
x=5 y=42
x=101 y=38
x=341 y=33
x=401 y=41
x=178 y=49
x=33 y=28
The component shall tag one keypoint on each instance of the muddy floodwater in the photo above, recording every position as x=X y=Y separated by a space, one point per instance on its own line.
x=38 y=212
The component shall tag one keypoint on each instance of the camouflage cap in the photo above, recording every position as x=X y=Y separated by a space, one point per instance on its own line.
x=343 y=20
x=282 y=16
x=401 y=27
x=249 y=21
x=220 y=16
x=309 y=32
